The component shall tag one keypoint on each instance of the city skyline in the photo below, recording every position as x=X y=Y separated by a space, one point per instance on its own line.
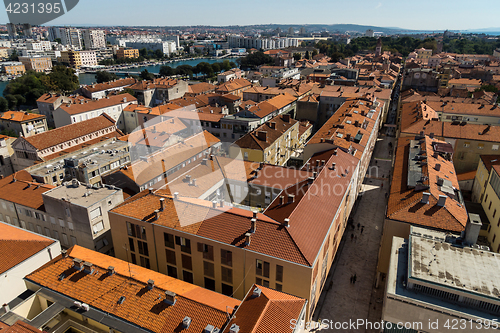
x=428 y=15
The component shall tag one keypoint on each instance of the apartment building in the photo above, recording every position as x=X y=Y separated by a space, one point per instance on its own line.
x=13 y=68
x=84 y=109
x=273 y=142
x=152 y=302
x=61 y=141
x=22 y=251
x=236 y=41
x=94 y=39
x=165 y=232
x=233 y=86
x=87 y=165
x=159 y=91
x=229 y=75
x=127 y=53
x=23 y=123
x=490 y=200
x=482 y=175
x=36 y=63
x=71 y=37
x=47 y=103
x=81 y=212
x=157 y=163
x=79 y=59
x=100 y=90
x=458 y=283
x=424 y=192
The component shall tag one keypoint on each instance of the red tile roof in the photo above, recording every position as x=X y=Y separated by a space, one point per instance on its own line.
x=490 y=160
x=141 y=306
x=18 y=327
x=69 y=132
x=272 y=311
x=20 y=116
x=20 y=188
x=101 y=103
x=17 y=245
x=405 y=202
x=110 y=85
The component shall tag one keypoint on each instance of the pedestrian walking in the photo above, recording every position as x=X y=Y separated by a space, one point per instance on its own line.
x=362 y=228
x=352 y=237
x=382 y=185
x=354 y=279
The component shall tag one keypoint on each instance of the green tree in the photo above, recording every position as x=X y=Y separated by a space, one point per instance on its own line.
x=14 y=56
x=146 y=75
x=314 y=52
x=4 y=106
x=20 y=100
x=104 y=76
x=226 y=65
x=256 y=59
x=159 y=54
x=184 y=70
x=128 y=91
x=297 y=56
x=307 y=55
x=9 y=132
x=58 y=40
x=205 y=68
x=12 y=101
x=63 y=79
x=216 y=67
x=166 y=71
x=488 y=87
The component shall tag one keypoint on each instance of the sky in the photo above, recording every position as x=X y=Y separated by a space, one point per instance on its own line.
x=419 y=15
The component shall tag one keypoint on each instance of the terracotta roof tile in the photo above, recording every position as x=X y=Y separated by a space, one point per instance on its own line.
x=19 y=327
x=110 y=85
x=69 y=132
x=20 y=116
x=252 y=141
x=20 y=188
x=17 y=245
x=141 y=306
x=90 y=105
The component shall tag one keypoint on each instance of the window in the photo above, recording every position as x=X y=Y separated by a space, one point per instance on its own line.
x=39 y=229
x=169 y=240
x=184 y=243
x=65 y=239
x=262 y=268
x=227 y=274
x=30 y=226
x=226 y=289
x=52 y=220
x=7 y=218
x=47 y=232
x=209 y=284
x=279 y=287
x=61 y=223
x=466 y=144
x=132 y=257
x=171 y=257
x=131 y=244
x=279 y=273
x=494 y=213
x=172 y=271
x=95 y=213
x=226 y=257
x=145 y=262
x=489 y=206
x=494 y=237
x=187 y=276
x=187 y=262
x=480 y=146
x=70 y=226
x=208 y=269
x=56 y=234
x=208 y=251
x=143 y=248
x=494 y=147
x=96 y=227
x=73 y=240
x=67 y=212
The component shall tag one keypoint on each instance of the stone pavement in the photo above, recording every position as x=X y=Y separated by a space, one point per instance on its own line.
x=346 y=301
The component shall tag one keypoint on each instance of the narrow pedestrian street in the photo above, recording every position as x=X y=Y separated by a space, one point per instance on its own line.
x=346 y=301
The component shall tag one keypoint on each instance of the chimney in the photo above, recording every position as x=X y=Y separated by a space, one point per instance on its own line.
x=262 y=135
x=162 y=204
x=256 y=292
x=315 y=174
x=291 y=198
x=176 y=195
x=317 y=163
x=286 y=222
x=234 y=328
x=254 y=225
x=77 y=264
x=151 y=284
x=333 y=166
x=186 y=322
x=64 y=253
x=170 y=297
x=193 y=182
x=272 y=124
x=214 y=204
x=6 y=307
x=356 y=123
x=442 y=200
x=254 y=214
x=150 y=190
x=111 y=270
x=204 y=161
x=247 y=238
x=348 y=136
x=323 y=162
x=425 y=198
x=282 y=199
x=221 y=203
x=472 y=229
x=437 y=167
x=335 y=152
x=87 y=267
x=431 y=135
x=310 y=180
x=286 y=118
x=157 y=214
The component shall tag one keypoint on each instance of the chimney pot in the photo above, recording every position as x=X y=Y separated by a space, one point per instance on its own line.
x=77 y=264
x=254 y=225
x=286 y=222
x=214 y=204
x=170 y=297
x=176 y=195
x=111 y=270
x=291 y=198
x=247 y=238
x=162 y=204
x=438 y=167
x=442 y=200
x=425 y=198
x=157 y=214
x=151 y=284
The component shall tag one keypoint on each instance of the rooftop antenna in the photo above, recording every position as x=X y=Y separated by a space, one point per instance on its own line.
x=128 y=261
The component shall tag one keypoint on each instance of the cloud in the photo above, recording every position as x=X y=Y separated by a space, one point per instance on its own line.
x=378 y=5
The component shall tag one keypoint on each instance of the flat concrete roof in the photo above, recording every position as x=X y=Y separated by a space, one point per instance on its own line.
x=81 y=195
x=467 y=269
